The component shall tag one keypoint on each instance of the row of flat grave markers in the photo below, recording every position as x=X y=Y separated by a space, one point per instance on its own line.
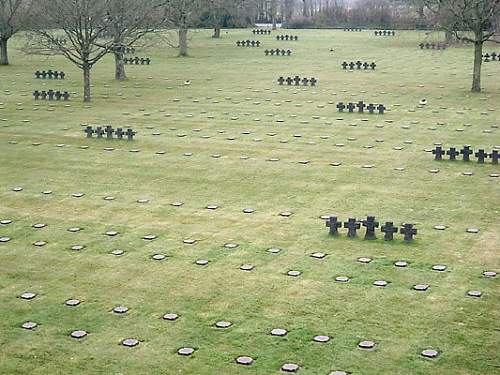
x=296 y=81
x=261 y=31
x=361 y=107
x=109 y=131
x=385 y=33
x=248 y=43
x=137 y=60
x=371 y=225
x=352 y=29
x=466 y=152
x=49 y=74
x=287 y=37
x=277 y=52
x=491 y=57
x=432 y=45
x=51 y=95
x=358 y=64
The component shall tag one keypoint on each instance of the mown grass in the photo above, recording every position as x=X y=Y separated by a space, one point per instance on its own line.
x=231 y=88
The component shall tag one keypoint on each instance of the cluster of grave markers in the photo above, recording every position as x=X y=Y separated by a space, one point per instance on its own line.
x=123 y=49
x=297 y=81
x=137 y=60
x=49 y=74
x=248 y=43
x=277 y=52
x=352 y=29
x=493 y=56
x=287 y=37
x=60 y=41
x=370 y=224
x=466 y=152
x=109 y=131
x=432 y=45
x=51 y=95
x=358 y=64
x=261 y=32
x=385 y=33
x=361 y=106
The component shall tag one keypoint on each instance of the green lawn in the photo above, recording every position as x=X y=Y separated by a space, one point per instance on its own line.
x=234 y=90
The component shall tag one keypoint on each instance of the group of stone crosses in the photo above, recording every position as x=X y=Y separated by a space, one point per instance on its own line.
x=297 y=81
x=361 y=107
x=466 y=152
x=109 y=131
x=287 y=37
x=137 y=60
x=370 y=224
x=358 y=64
x=385 y=33
x=432 y=45
x=122 y=49
x=277 y=52
x=49 y=74
x=352 y=29
x=491 y=57
x=50 y=95
x=261 y=31
x=248 y=43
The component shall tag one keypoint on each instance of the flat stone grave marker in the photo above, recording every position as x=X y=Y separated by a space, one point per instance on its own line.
x=223 y=324
x=489 y=274
x=366 y=344
x=170 y=316
x=321 y=339
x=185 y=351
x=429 y=353
x=72 y=302
x=290 y=367
x=421 y=287
x=29 y=325
x=130 y=342
x=474 y=293
x=78 y=334
x=279 y=332
x=28 y=295
x=244 y=360
x=293 y=273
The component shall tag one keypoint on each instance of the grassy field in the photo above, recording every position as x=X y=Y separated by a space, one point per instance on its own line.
x=233 y=91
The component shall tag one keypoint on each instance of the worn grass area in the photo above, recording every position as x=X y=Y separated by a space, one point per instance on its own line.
x=231 y=89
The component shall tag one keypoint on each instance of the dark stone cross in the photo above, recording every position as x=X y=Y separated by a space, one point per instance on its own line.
x=281 y=80
x=366 y=65
x=494 y=156
x=344 y=65
x=51 y=93
x=370 y=224
x=99 y=132
x=389 y=229
x=352 y=226
x=305 y=81
x=271 y=52
x=438 y=153
x=58 y=95
x=370 y=108
x=288 y=52
x=109 y=132
x=466 y=152
x=351 y=107
x=65 y=96
x=452 y=153
x=373 y=65
x=89 y=131
x=361 y=106
x=408 y=232
x=238 y=43
x=119 y=133
x=277 y=51
x=334 y=225
x=381 y=108
x=421 y=45
x=313 y=81
x=296 y=80
x=341 y=107
x=289 y=81
x=266 y=52
x=351 y=65
x=43 y=94
x=359 y=64
x=257 y=43
x=480 y=155
x=36 y=94
x=130 y=134
x=37 y=74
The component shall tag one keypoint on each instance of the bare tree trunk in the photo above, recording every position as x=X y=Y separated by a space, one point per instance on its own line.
x=449 y=37
x=304 y=8
x=183 y=44
x=86 y=84
x=120 y=74
x=216 y=31
x=478 y=61
x=273 y=13
x=4 y=57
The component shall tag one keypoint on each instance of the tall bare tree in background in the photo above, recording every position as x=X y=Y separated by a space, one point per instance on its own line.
x=127 y=22
x=181 y=15
x=75 y=29
x=14 y=16
x=221 y=10
x=470 y=20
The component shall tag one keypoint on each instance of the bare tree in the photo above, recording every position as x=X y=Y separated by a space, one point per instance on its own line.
x=466 y=17
x=14 y=16
x=75 y=29
x=129 y=21
x=181 y=14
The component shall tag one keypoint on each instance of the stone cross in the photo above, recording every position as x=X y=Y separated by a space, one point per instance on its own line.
x=466 y=152
x=381 y=108
x=351 y=107
x=494 y=156
x=119 y=133
x=341 y=107
x=281 y=80
x=370 y=224
x=408 y=232
x=334 y=225
x=352 y=226
x=109 y=132
x=389 y=229
x=480 y=155
x=438 y=153
x=99 y=132
x=452 y=153
x=130 y=134
x=89 y=131
x=361 y=106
